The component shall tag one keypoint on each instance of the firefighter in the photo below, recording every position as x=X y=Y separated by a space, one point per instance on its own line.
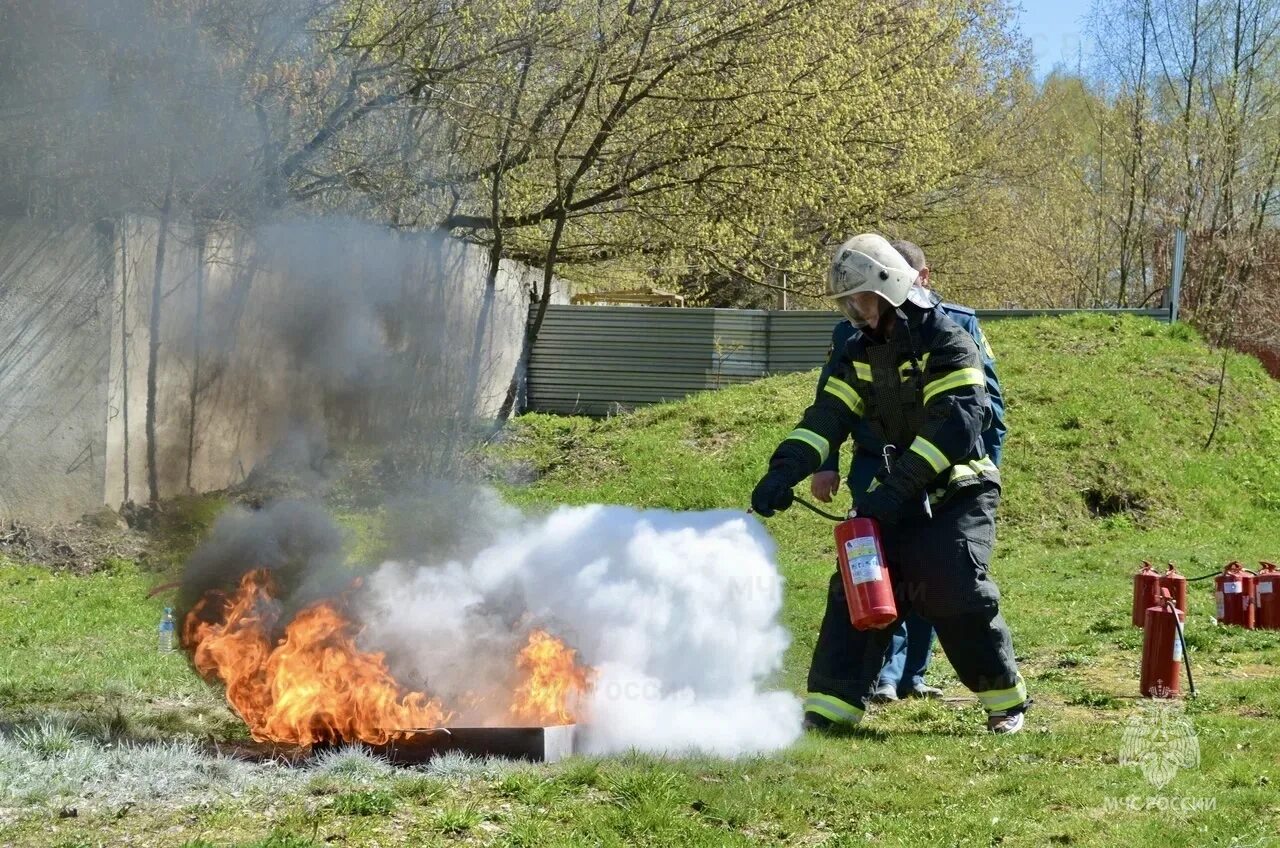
x=901 y=671
x=915 y=377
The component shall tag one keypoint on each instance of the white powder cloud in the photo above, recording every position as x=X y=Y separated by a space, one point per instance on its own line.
x=677 y=611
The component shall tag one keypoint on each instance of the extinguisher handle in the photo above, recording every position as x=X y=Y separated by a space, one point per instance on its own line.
x=887 y=454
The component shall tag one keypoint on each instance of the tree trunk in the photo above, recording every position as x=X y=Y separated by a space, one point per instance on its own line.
x=495 y=251
x=153 y=345
x=195 y=367
x=124 y=348
x=532 y=329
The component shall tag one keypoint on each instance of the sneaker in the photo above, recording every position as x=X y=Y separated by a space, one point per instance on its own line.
x=921 y=690
x=1005 y=723
x=882 y=694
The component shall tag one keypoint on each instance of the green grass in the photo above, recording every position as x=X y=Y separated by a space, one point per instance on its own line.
x=366 y=802
x=1105 y=467
x=91 y=643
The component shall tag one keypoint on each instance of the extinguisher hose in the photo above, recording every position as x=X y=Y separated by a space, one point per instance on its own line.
x=831 y=515
x=1216 y=573
x=1186 y=655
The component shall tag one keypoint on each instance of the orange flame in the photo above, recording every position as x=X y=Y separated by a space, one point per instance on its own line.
x=554 y=682
x=313 y=684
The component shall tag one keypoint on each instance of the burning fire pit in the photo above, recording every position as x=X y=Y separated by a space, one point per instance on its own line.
x=305 y=683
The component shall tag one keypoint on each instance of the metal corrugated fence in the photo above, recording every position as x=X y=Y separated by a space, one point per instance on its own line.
x=596 y=360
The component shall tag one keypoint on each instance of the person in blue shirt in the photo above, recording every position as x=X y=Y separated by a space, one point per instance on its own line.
x=906 y=660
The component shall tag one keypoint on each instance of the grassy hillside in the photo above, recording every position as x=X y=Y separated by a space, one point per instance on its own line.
x=1106 y=466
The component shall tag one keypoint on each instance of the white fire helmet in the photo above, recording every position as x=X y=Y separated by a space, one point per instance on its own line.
x=868 y=263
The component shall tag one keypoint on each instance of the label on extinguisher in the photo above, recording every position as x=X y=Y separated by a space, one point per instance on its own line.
x=1233 y=587
x=1177 y=649
x=1266 y=588
x=1222 y=605
x=864 y=564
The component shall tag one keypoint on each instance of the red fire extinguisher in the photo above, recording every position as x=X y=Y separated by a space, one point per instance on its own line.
x=1146 y=585
x=1177 y=586
x=862 y=570
x=1233 y=589
x=1266 y=594
x=1162 y=649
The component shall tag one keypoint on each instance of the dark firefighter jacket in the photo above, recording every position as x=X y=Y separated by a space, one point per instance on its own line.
x=923 y=391
x=867 y=457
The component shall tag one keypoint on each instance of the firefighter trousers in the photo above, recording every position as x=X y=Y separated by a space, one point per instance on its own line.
x=939 y=568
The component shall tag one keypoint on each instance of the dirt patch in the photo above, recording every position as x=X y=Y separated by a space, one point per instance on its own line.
x=83 y=547
x=1112 y=502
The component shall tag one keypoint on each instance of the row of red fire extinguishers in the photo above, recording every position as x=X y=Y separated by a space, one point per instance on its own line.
x=1248 y=599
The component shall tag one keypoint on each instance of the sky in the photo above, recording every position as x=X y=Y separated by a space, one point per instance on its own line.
x=1056 y=29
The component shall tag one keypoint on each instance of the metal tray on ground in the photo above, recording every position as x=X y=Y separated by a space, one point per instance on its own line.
x=539 y=744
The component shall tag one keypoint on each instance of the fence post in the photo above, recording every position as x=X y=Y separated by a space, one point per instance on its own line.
x=1179 y=258
x=768 y=343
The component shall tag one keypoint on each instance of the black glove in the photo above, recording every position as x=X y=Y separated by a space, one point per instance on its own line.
x=773 y=492
x=884 y=504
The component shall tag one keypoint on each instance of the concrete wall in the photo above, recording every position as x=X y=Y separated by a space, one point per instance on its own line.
x=55 y=317
x=332 y=330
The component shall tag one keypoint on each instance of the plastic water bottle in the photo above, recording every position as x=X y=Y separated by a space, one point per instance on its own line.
x=166 y=631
